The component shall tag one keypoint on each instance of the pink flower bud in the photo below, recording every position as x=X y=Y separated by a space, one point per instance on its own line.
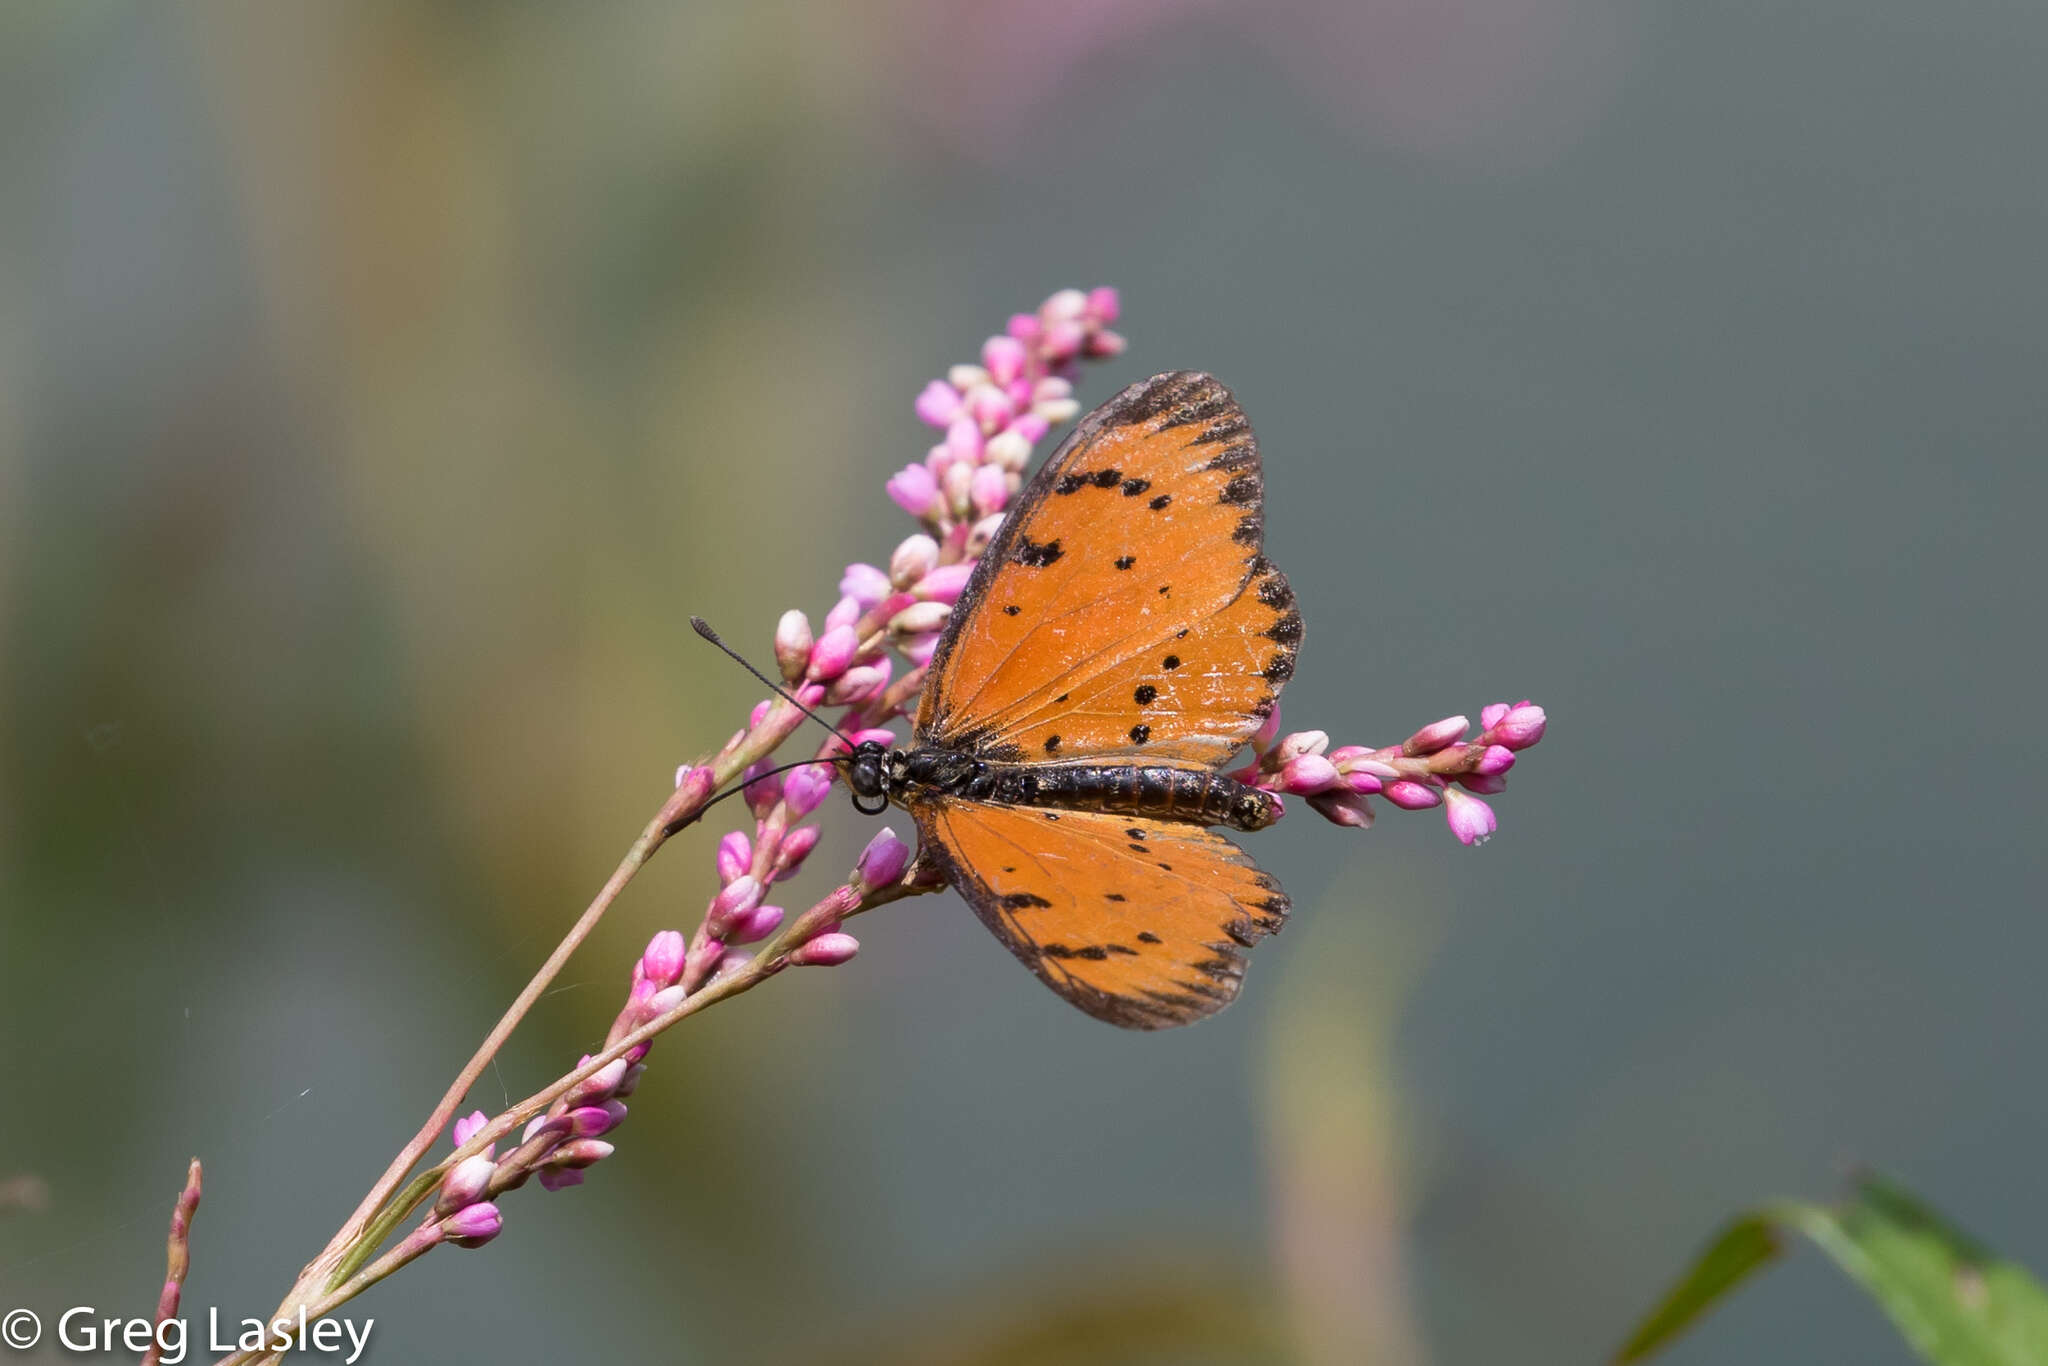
x=1267 y=733
x=882 y=862
x=983 y=532
x=1341 y=807
x=1105 y=305
x=760 y=713
x=740 y=896
x=1062 y=341
x=474 y=1225
x=1497 y=759
x=1363 y=783
x=858 y=684
x=845 y=612
x=945 y=583
x=1519 y=727
x=735 y=856
x=763 y=788
x=1031 y=427
x=1434 y=737
x=804 y=790
x=1470 y=819
x=755 y=925
x=1300 y=743
x=796 y=847
x=1410 y=795
x=1490 y=784
x=919 y=649
x=1307 y=773
x=915 y=558
x=1063 y=306
x=826 y=951
x=466 y=1128
x=792 y=644
x=831 y=655
x=1003 y=358
x=920 y=618
x=1025 y=327
x=592 y=1121
x=579 y=1153
x=665 y=1000
x=467 y=1184
x=1008 y=450
x=599 y=1085
x=865 y=584
x=559 y=1178
x=990 y=409
x=667 y=954
x=914 y=489
x=938 y=403
x=965 y=377
x=988 y=491
x=541 y=1124
x=963 y=441
x=630 y=1083
x=1491 y=713
x=1103 y=343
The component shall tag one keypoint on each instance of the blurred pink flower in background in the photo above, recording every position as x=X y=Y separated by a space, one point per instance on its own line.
x=1489 y=84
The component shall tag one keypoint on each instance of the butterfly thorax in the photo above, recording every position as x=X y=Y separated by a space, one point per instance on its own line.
x=1197 y=795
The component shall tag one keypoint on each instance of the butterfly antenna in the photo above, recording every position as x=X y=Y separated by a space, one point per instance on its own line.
x=703 y=628
x=744 y=782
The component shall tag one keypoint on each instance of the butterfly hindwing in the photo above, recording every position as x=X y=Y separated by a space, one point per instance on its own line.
x=1137 y=921
x=1124 y=607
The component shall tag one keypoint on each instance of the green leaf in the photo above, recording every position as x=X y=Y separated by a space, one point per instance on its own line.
x=1954 y=1302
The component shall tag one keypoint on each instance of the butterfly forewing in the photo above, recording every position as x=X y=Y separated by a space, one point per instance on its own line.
x=1142 y=923
x=1125 y=607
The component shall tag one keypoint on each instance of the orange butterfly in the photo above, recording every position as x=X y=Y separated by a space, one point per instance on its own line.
x=1119 y=640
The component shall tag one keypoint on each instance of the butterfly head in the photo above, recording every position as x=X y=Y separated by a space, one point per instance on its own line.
x=872 y=772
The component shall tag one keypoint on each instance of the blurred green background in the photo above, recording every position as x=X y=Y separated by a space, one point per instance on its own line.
x=381 y=387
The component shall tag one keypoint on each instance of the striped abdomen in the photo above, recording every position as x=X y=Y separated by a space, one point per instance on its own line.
x=1196 y=795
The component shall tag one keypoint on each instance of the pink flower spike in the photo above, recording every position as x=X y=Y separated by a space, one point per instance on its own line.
x=1025 y=327
x=826 y=951
x=1412 y=796
x=1308 y=773
x=466 y=1128
x=474 y=1225
x=1062 y=341
x=878 y=734
x=1105 y=305
x=831 y=655
x=938 y=403
x=882 y=862
x=759 y=713
x=600 y=1085
x=865 y=584
x=735 y=856
x=1520 y=727
x=1470 y=819
x=559 y=1178
x=990 y=408
x=792 y=644
x=1497 y=760
x=1063 y=306
x=1491 y=785
x=594 y=1121
x=467 y=1184
x=805 y=789
x=920 y=618
x=1031 y=427
x=914 y=489
x=667 y=954
x=989 y=490
x=1491 y=713
x=1003 y=358
x=1363 y=783
x=1432 y=738
x=945 y=583
x=755 y=925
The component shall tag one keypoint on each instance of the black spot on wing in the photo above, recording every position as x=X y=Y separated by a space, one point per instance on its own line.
x=1133 y=487
x=1070 y=483
x=1033 y=555
x=1280 y=668
x=1140 y=734
x=1107 y=479
x=1017 y=901
x=1147 y=937
x=1251 y=528
x=1287 y=630
x=1145 y=693
x=1170 y=662
x=1126 y=561
x=1242 y=491
x=1052 y=744
x=1011 y=609
x=1114 y=896
x=1159 y=504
